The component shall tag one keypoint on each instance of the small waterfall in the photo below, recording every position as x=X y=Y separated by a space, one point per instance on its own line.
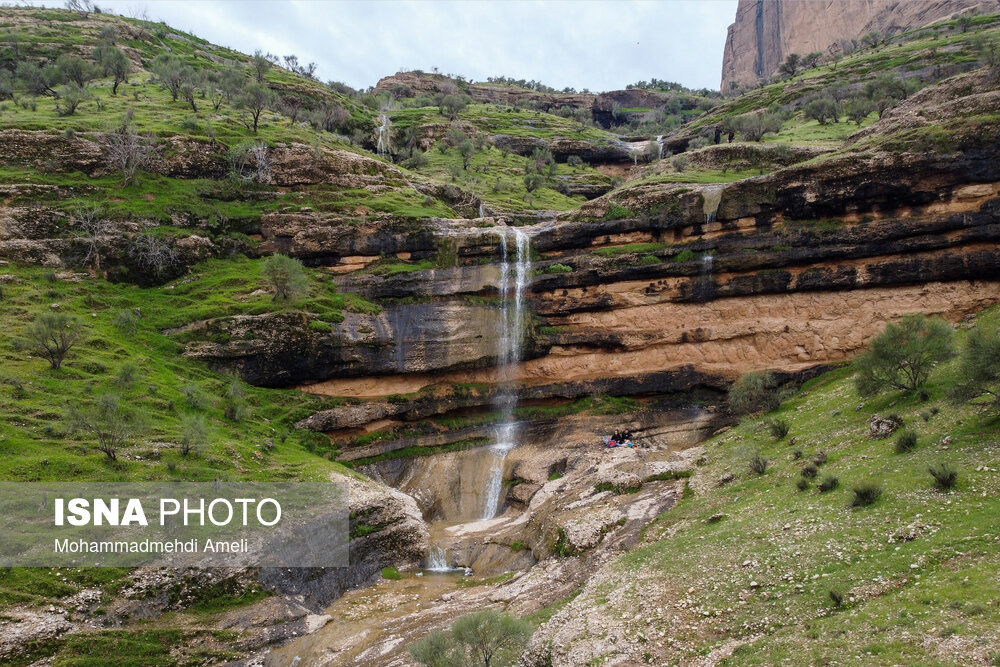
x=706 y=265
x=711 y=198
x=382 y=148
x=511 y=290
x=482 y=210
x=659 y=147
x=437 y=559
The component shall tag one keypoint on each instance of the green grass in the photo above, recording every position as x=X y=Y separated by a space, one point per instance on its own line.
x=637 y=248
x=802 y=544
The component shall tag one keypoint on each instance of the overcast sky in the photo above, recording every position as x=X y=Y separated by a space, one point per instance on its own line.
x=600 y=45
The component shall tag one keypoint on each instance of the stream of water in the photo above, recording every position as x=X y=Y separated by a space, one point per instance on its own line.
x=514 y=275
x=382 y=147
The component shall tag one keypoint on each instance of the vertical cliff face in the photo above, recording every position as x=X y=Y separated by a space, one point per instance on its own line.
x=766 y=31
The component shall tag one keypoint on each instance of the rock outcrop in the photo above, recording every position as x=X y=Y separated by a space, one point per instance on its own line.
x=765 y=32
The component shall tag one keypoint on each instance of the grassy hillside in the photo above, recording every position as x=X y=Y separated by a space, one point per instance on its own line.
x=749 y=566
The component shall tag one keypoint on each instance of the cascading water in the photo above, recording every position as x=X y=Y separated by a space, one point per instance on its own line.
x=659 y=147
x=382 y=147
x=511 y=290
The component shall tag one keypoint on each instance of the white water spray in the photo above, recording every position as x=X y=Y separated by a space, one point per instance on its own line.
x=511 y=290
x=382 y=148
x=659 y=147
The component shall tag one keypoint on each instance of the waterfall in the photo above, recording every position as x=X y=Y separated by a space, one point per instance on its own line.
x=711 y=198
x=659 y=147
x=382 y=148
x=437 y=559
x=511 y=290
x=706 y=265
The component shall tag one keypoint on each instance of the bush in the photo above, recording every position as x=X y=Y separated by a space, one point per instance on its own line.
x=128 y=374
x=558 y=268
x=778 y=428
x=680 y=162
x=903 y=355
x=286 y=276
x=979 y=368
x=391 y=573
x=753 y=393
x=127 y=321
x=820 y=459
x=698 y=142
x=195 y=397
x=802 y=484
x=483 y=638
x=945 y=477
x=758 y=464
x=906 y=441
x=194 y=434
x=236 y=407
x=836 y=597
x=822 y=110
x=51 y=335
x=810 y=471
x=753 y=126
x=108 y=421
x=866 y=494
x=829 y=483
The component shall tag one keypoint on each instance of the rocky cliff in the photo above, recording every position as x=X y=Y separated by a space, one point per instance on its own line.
x=765 y=32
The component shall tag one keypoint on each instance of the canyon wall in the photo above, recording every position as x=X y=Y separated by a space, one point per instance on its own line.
x=766 y=31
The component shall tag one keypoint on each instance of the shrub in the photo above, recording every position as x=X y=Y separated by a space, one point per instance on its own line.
x=829 y=483
x=128 y=374
x=127 y=321
x=797 y=454
x=802 y=484
x=617 y=212
x=649 y=260
x=979 y=368
x=236 y=407
x=758 y=464
x=866 y=494
x=484 y=638
x=286 y=276
x=698 y=142
x=680 y=162
x=810 y=471
x=195 y=397
x=822 y=110
x=836 y=597
x=194 y=434
x=906 y=441
x=945 y=477
x=820 y=459
x=754 y=392
x=778 y=428
x=753 y=126
x=107 y=420
x=903 y=355
x=391 y=573
x=51 y=335
x=558 y=268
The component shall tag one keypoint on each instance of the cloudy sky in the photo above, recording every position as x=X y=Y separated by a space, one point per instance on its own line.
x=600 y=45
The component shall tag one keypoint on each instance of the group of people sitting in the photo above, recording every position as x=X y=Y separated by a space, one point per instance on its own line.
x=619 y=439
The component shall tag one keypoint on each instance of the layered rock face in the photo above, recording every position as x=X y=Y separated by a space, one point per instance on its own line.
x=766 y=31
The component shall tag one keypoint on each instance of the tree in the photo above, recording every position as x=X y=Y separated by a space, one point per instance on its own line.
x=126 y=151
x=791 y=65
x=533 y=181
x=964 y=22
x=52 y=335
x=979 y=367
x=261 y=64
x=871 y=39
x=250 y=162
x=96 y=233
x=75 y=69
x=172 y=73
x=811 y=60
x=754 y=392
x=466 y=149
x=194 y=434
x=484 y=638
x=286 y=276
x=753 y=126
x=107 y=420
x=252 y=102
x=452 y=105
x=823 y=110
x=71 y=97
x=82 y=7
x=857 y=109
x=903 y=355
x=38 y=80
x=153 y=255
x=113 y=63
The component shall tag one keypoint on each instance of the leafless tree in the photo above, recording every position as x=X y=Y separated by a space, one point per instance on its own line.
x=128 y=152
x=152 y=254
x=250 y=162
x=82 y=7
x=96 y=233
x=109 y=422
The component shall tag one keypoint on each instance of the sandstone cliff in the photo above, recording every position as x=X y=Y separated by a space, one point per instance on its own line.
x=766 y=31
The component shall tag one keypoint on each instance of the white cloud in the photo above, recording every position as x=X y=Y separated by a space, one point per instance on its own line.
x=582 y=44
